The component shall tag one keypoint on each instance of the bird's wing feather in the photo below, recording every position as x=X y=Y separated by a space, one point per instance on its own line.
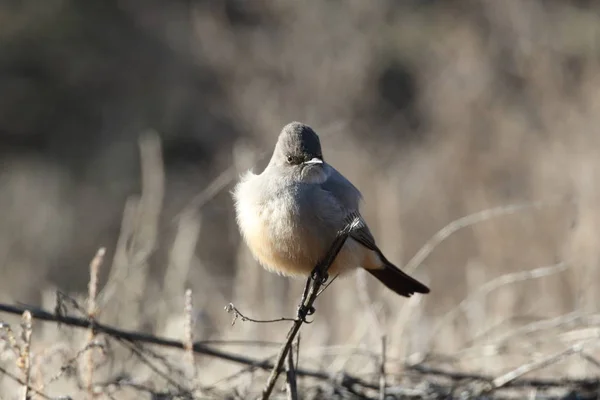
x=345 y=193
x=349 y=197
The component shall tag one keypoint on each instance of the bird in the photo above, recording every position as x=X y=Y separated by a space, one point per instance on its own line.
x=290 y=214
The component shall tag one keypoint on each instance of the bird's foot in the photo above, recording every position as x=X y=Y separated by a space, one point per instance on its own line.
x=318 y=274
x=304 y=312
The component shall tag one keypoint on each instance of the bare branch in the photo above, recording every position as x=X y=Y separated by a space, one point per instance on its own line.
x=382 y=382
x=16 y=379
x=231 y=309
x=466 y=221
x=494 y=284
x=314 y=283
x=522 y=382
x=138 y=337
x=292 y=389
x=92 y=311
x=24 y=361
x=503 y=380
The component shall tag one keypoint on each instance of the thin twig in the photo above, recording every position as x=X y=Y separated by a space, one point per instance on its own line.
x=10 y=337
x=286 y=347
x=292 y=390
x=19 y=381
x=139 y=233
x=464 y=222
x=297 y=351
x=92 y=311
x=367 y=302
x=494 y=284
x=138 y=337
x=241 y=372
x=521 y=382
x=69 y=363
x=324 y=288
x=504 y=379
x=382 y=382
x=194 y=383
x=231 y=309
x=320 y=274
x=24 y=361
x=61 y=306
x=144 y=359
x=215 y=187
x=171 y=371
x=536 y=326
x=189 y=333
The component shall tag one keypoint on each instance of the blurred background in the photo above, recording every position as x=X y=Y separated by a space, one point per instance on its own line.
x=125 y=123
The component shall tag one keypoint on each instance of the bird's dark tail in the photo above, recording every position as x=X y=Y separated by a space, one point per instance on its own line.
x=396 y=280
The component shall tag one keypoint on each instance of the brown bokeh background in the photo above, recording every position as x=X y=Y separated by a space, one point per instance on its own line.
x=125 y=124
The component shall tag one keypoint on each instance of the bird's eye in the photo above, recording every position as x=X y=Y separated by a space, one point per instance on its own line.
x=290 y=159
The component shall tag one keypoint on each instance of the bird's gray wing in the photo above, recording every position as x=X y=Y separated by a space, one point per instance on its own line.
x=346 y=194
x=349 y=197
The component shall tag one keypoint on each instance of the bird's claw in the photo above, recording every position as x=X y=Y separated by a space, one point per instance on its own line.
x=324 y=278
x=304 y=312
x=318 y=274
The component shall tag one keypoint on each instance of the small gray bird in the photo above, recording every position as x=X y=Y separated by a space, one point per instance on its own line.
x=289 y=215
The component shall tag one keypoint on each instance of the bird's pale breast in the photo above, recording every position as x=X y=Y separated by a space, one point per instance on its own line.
x=284 y=236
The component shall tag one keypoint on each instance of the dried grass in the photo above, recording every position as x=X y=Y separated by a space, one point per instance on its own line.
x=506 y=110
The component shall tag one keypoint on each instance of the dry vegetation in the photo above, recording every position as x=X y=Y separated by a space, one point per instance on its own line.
x=125 y=123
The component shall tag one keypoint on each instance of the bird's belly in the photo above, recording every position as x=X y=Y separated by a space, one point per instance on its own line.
x=281 y=238
x=277 y=240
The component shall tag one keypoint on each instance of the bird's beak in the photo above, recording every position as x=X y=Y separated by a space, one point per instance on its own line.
x=314 y=161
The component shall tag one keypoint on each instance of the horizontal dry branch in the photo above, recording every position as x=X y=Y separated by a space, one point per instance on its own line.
x=521 y=382
x=198 y=347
